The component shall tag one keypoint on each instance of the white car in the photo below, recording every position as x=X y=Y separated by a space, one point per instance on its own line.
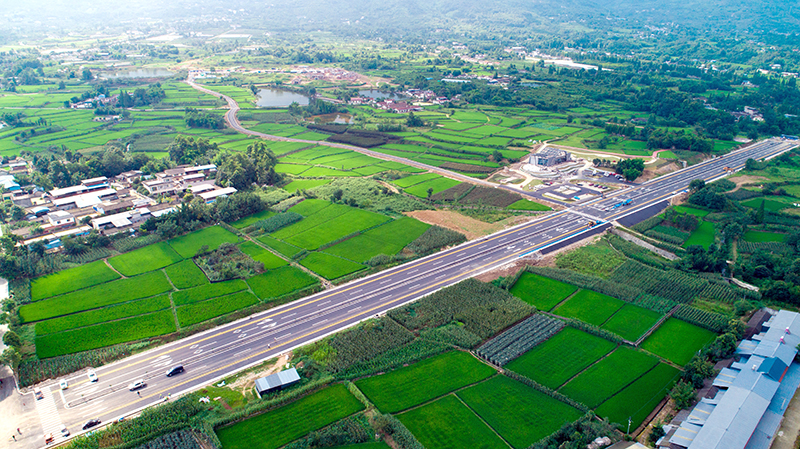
x=137 y=385
x=92 y=375
x=63 y=384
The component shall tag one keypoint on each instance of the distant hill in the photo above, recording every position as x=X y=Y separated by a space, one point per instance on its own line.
x=410 y=17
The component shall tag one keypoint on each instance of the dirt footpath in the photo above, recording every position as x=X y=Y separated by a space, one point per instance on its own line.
x=790 y=427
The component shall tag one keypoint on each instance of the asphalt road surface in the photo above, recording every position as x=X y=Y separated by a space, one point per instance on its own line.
x=219 y=352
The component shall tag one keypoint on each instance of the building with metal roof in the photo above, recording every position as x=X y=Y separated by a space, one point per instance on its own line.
x=550 y=156
x=277 y=381
x=752 y=394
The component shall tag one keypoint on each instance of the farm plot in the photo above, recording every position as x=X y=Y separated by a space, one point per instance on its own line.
x=201 y=311
x=434 y=186
x=279 y=246
x=259 y=254
x=310 y=207
x=151 y=257
x=102 y=315
x=409 y=181
x=449 y=424
x=564 y=355
x=186 y=274
x=283 y=426
x=208 y=291
x=638 y=399
x=142 y=286
x=71 y=279
x=761 y=236
x=691 y=210
x=541 y=292
x=631 y=321
x=106 y=334
x=676 y=340
x=250 y=219
x=389 y=239
x=520 y=414
x=302 y=184
x=608 y=376
x=188 y=245
x=279 y=282
x=330 y=230
x=425 y=380
x=703 y=235
x=312 y=219
x=330 y=267
x=520 y=338
x=590 y=307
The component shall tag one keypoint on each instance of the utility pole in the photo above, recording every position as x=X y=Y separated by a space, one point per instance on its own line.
x=629 y=426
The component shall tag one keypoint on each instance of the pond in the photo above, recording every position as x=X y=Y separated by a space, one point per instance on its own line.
x=378 y=94
x=275 y=98
x=139 y=73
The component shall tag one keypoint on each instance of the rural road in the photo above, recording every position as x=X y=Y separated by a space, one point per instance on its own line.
x=219 y=352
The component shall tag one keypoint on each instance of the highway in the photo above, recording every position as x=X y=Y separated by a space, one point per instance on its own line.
x=222 y=351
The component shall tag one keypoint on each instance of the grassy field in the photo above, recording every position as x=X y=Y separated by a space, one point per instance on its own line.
x=142 y=286
x=102 y=315
x=528 y=205
x=762 y=236
x=638 y=399
x=691 y=210
x=449 y=424
x=208 y=291
x=213 y=236
x=608 y=376
x=72 y=279
x=330 y=267
x=677 y=340
x=279 y=282
x=631 y=322
x=281 y=426
x=520 y=414
x=388 y=239
x=561 y=357
x=106 y=334
x=201 y=311
x=541 y=292
x=151 y=257
x=425 y=380
x=250 y=219
x=259 y=254
x=590 y=307
x=186 y=274
x=438 y=185
x=703 y=235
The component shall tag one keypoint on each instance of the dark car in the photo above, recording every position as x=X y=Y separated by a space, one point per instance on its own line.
x=175 y=370
x=90 y=423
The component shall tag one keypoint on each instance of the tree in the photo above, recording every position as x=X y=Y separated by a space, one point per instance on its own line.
x=337 y=195
x=630 y=168
x=10 y=338
x=683 y=393
x=430 y=192
x=87 y=75
x=722 y=347
x=414 y=121
x=697 y=184
x=497 y=155
x=188 y=150
x=759 y=216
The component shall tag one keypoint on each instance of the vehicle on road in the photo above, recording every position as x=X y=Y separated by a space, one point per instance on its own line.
x=92 y=375
x=175 y=370
x=137 y=385
x=90 y=423
x=63 y=384
x=64 y=431
x=48 y=438
x=38 y=393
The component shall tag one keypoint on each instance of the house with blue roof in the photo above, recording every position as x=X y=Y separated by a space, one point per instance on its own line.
x=751 y=395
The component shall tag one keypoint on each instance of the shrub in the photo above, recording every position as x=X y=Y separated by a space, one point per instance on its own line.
x=433 y=238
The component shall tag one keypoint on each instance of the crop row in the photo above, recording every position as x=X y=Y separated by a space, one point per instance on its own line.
x=671 y=284
x=709 y=320
x=772 y=247
x=520 y=339
x=675 y=240
x=654 y=303
x=615 y=289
